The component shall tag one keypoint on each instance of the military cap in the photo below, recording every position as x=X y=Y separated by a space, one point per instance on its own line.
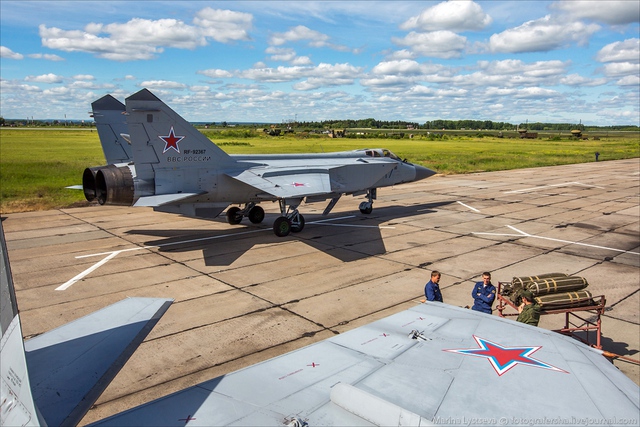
x=528 y=295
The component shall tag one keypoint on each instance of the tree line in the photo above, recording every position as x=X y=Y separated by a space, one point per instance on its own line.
x=371 y=123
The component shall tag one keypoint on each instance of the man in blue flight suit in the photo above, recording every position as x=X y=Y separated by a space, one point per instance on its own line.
x=483 y=294
x=432 y=288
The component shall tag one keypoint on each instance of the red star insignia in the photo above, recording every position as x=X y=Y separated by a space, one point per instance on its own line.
x=504 y=358
x=171 y=141
x=298 y=184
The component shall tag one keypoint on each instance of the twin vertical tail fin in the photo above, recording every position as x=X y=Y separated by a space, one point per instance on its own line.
x=111 y=123
x=166 y=151
x=162 y=139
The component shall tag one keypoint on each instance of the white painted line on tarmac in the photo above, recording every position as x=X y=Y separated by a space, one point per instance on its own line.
x=523 y=234
x=469 y=207
x=564 y=184
x=112 y=254
x=87 y=271
x=362 y=226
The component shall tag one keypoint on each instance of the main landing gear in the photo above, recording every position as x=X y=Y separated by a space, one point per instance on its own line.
x=367 y=207
x=254 y=212
x=290 y=221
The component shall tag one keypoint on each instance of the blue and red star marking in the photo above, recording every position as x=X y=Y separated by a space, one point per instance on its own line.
x=504 y=358
x=171 y=141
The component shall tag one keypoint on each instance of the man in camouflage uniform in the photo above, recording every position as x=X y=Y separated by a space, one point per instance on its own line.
x=529 y=310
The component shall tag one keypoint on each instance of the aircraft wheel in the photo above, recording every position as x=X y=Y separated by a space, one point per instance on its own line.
x=366 y=208
x=233 y=215
x=282 y=226
x=256 y=215
x=296 y=228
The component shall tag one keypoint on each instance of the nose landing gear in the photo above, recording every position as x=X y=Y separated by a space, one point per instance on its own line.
x=367 y=207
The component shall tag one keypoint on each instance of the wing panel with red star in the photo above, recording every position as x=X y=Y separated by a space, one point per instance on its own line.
x=433 y=363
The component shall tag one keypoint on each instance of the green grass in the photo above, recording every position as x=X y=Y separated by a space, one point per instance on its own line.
x=36 y=165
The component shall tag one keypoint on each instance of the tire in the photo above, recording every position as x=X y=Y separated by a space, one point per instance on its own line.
x=256 y=215
x=233 y=215
x=282 y=226
x=299 y=227
x=366 y=208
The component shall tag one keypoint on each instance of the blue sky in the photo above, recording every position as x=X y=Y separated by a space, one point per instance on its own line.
x=547 y=61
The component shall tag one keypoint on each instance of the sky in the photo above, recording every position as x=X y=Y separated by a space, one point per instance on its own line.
x=274 y=61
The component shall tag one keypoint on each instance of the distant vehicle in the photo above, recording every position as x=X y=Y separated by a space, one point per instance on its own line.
x=175 y=168
x=431 y=364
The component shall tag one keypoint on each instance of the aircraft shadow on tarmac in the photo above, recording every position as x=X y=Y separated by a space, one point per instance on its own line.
x=347 y=237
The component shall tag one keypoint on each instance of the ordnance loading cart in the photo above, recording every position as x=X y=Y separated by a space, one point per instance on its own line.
x=558 y=293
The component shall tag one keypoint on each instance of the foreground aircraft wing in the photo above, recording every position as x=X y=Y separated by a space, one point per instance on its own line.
x=432 y=364
x=69 y=367
x=54 y=378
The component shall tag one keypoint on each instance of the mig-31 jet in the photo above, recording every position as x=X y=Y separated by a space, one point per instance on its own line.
x=171 y=166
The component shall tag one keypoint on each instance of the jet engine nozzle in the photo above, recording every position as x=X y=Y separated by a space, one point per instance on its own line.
x=111 y=185
x=114 y=186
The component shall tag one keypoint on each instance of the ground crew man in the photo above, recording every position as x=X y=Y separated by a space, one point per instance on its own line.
x=483 y=294
x=432 y=288
x=529 y=310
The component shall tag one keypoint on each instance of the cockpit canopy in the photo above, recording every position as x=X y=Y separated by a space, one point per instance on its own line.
x=380 y=152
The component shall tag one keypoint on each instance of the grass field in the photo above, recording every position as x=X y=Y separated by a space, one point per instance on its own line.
x=36 y=165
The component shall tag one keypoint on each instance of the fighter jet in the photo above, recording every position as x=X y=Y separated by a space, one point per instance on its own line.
x=174 y=168
x=430 y=364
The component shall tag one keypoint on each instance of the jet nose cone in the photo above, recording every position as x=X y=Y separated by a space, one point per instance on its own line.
x=423 y=173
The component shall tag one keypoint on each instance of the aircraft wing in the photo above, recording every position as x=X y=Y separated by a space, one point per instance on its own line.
x=165 y=199
x=286 y=182
x=431 y=364
x=69 y=367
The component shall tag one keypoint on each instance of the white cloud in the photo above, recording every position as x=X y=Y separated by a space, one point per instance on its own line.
x=84 y=77
x=542 y=35
x=621 y=69
x=580 y=81
x=301 y=60
x=405 y=67
x=633 y=81
x=5 y=52
x=163 y=84
x=285 y=54
x=608 y=12
x=199 y=88
x=301 y=33
x=437 y=44
x=322 y=75
x=142 y=39
x=215 y=73
x=44 y=78
x=538 y=69
x=224 y=25
x=621 y=51
x=47 y=56
x=536 y=93
x=401 y=54
x=14 y=86
x=455 y=16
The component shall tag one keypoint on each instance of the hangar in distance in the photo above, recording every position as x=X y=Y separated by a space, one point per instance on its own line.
x=157 y=159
